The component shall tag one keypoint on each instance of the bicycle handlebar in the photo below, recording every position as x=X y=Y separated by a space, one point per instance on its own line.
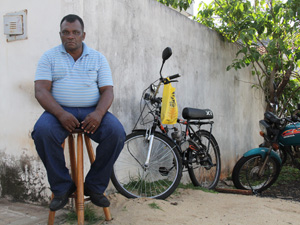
x=174 y=76
x=163 y=81
x=169 y=79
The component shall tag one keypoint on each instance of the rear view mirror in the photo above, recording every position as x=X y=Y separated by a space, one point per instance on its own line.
x=166 y=53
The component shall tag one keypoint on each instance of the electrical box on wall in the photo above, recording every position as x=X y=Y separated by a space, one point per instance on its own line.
x=15 y=25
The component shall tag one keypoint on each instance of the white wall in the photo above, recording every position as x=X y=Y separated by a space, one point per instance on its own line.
x=132 y=35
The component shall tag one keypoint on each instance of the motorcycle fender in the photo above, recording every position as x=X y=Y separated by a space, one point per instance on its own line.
x=262 y=152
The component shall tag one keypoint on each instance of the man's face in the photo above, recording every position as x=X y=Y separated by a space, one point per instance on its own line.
x=71 y=35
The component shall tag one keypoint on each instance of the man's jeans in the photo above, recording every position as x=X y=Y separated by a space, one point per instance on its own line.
x=48 y=136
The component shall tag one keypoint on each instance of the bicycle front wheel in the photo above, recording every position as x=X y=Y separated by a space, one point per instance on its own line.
x=205 y=163
x=159 y=180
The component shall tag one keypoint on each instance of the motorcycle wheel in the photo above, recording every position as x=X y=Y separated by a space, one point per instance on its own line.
x=245 y=173
x=159 y=180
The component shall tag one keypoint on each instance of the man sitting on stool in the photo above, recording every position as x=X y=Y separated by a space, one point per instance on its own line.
x=73 y=83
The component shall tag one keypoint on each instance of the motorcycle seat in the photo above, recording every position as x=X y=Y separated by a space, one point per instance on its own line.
x=197 y=114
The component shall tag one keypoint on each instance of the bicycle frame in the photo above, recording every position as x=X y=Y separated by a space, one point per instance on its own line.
x=189 y=128
x=189 y=132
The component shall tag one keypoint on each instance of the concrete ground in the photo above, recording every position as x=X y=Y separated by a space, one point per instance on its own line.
x=16 y=213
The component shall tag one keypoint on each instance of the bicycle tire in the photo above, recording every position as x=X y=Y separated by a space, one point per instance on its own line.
x=245 y=173
x=200 y=172
x=162 y=176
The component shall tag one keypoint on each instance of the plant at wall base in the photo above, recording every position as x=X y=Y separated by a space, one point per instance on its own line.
x=181 y=4
x=268 y=36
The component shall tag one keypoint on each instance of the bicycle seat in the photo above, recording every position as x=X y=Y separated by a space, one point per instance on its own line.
x=197 y=114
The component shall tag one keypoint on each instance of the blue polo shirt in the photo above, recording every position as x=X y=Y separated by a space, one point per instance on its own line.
x=74 y=84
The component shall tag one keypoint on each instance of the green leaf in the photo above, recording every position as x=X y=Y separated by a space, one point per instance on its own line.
x=274 y=25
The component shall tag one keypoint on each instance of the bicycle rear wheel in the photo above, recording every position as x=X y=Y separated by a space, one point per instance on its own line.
x=204 y=169
x=133 y=180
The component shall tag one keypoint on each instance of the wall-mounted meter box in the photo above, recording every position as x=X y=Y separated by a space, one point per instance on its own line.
x=15 y=25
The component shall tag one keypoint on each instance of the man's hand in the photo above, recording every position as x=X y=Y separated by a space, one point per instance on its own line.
x=44 y=96
x=91 y=122
x=68 y=121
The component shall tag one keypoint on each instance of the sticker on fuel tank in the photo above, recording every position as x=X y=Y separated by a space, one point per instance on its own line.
x=290 y=133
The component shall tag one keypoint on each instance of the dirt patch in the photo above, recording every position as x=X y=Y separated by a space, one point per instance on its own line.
x=193 y=207
x=280 y=204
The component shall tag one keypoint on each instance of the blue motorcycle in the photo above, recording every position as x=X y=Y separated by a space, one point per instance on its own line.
x=259 y=168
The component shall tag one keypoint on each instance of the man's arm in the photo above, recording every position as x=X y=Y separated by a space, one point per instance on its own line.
x=93 y=120
x=46 y=100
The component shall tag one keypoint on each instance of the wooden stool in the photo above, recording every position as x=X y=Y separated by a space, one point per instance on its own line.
x=77 y=175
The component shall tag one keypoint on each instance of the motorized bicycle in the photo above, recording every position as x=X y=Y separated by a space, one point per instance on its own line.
x=152 y=160
x=260 y=167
